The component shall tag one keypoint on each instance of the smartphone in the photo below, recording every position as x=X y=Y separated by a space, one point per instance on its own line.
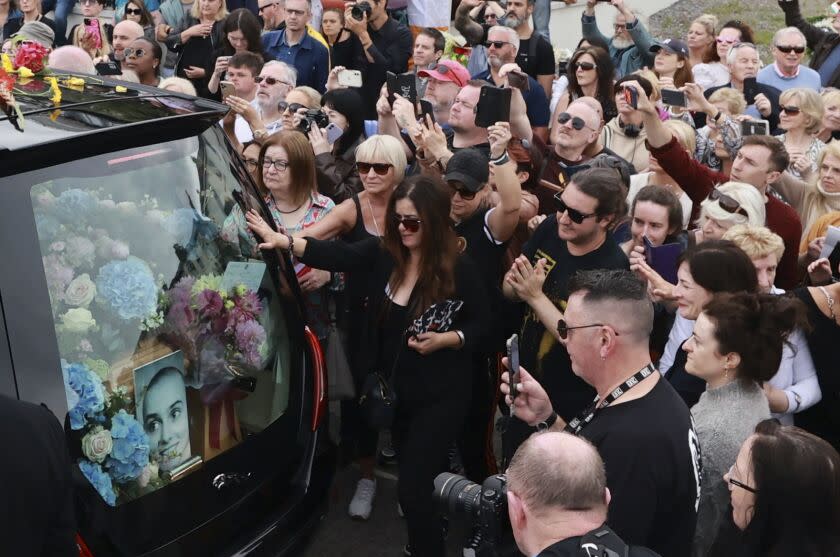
x=108 y=68
x=663 y=259
x=755 y=127
x=520 y=81
x=673 y=97
x=407 y=87
x=334 y=133
x=513 y=364
x=227 y=89
x=631 y=97
x=427 y=108
x=391 y=84
x=92 y=29
x=350 y=78
x=493 y=106
x=750 y=89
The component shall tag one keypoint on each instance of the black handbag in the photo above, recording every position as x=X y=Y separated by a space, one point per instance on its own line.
x=378 y=401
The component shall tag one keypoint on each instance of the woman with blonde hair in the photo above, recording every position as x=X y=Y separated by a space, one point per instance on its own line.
x=727 y=205
x=196 y=40
x=95 y=38
x=801 y=115
x=819 y=195
x=701 y=39
x=830 y=129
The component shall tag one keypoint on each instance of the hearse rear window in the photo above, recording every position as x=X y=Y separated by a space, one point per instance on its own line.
x=171 y=335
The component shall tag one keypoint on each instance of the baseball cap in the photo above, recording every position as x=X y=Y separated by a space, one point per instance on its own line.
x=674 y=46
x=38 y=32
x=448 y=70
x=470 y=167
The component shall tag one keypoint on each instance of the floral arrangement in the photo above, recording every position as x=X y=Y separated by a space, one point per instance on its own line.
x=30 y=59
x=114 y=447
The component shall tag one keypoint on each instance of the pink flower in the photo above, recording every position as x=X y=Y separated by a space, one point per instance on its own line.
x=209 y=303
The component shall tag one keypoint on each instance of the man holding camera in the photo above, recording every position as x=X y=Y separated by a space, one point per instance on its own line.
x=295 y=46
x=382 y=45
x=639 y=424
x=558 y=498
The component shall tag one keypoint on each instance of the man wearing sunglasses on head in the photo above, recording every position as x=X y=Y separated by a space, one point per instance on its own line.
x=787 y=70
x=759 y=162
x=576 y=237
x=264 y=114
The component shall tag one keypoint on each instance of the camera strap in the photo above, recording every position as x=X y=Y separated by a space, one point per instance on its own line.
x=582 y=420
x=603 y=542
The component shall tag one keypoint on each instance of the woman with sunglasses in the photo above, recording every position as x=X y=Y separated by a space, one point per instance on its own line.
x=298 y=101
x=784 y=488
x=591 y=73
x=416 y=266
x=144 y=57
x=735 y=347
x=241 y=32
x=800 y=116
x=136 y=11
x=715 y=72
x=29 y=10
x=195 y=41
x=93 y=35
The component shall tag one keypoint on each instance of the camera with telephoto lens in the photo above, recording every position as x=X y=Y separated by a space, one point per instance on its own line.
x=311 y=117
x=359 y=10
x=485 y=508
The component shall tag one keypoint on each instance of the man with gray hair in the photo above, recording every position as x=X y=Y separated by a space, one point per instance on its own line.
x=787 y=71
x=263 y=114
x=630 y=44
x=558 y=497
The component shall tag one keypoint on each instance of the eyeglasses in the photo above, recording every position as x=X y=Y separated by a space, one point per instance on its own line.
x=577 y=122
x=465 y=194
x=792 y=110
x=251 y=164
x=574 y=215
x=412 y=224
x=727 y=203
x=496 y=44
x=261 y=8
x=133 y=11
x=298 y=13
x=449 y=72
x=380 y=168
x=787 y=49
x=294 y=107
x=279 y=165
x=270 y=80
x=735 y=482
x=563 y=329
x=134 y=52
x=585 y=66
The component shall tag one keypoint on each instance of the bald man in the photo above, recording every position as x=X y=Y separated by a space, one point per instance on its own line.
x=125 y=32
x=71 y=59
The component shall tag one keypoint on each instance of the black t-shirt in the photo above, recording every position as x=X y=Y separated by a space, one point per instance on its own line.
x=570 y=547
x=540 y=352
x=390 y=51
x=542 y=62
x=652 y=458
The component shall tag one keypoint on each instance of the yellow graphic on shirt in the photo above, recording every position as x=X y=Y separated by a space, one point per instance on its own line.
x=547 y=340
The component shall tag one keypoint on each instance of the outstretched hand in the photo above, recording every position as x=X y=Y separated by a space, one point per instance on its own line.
x=270 y=238
x=531 y=404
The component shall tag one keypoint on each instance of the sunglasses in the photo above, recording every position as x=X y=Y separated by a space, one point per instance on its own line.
x=465 y=194
x=89 y=2
x=449 y=72
x=133 y=11
x=283 y=105
x=577 y=122
x=742 y=485
x=412 y=224
x=728 y=204
x=563 y=329
x=135 y=52
x=497 y=44
x=792 y=110
x=726 y=41
x=788 y=49
x=381 y=168
x=574 y=215
x=270 y=80
x=585 y=66
x=260 y=9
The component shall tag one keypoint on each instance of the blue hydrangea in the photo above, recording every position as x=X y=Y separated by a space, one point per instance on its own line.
x=84 y=392
x=74 y=204
x=48 y=228
x=180 y=225
x=127 y=288
x=99 y=480
x=130 y=453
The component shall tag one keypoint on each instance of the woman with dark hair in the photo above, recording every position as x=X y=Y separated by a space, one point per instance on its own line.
x=416 y=267
x=30 y=10
x=736 y=347
x=625 y=134
x=95 y=38
x=136 y=11
x=144 y=57
x=591 y=73
x=715 y=72
x=784 y=488
x=655 y=214
x=337 y=37
x=671 y=64
x=195 y=42
x=335 y=163
x=241 y=33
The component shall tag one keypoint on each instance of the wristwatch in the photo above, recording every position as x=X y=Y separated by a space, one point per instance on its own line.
x=548 y=422
x=261 y=134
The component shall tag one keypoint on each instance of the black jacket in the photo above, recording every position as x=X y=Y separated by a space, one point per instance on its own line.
x=821 y=41
x=772 y=95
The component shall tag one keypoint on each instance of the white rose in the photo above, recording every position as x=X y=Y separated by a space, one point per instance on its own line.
x=78 y=320
x=97 y=444
x=81 y=291
x=127 y=207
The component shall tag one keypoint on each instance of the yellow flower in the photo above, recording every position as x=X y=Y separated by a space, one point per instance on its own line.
x=56 y=92
x=25 y=72
x=120 y=89
x=7 y=63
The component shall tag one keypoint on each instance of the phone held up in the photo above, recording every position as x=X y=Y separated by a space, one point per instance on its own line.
x=333 y=133
x=350 y=78
x=493 y=106
x=755 y=127
x=513 y=364
x=672 y=97
x=631 y=97
x=227 y=88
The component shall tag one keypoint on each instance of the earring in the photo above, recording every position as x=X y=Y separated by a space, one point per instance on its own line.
x=726 y=372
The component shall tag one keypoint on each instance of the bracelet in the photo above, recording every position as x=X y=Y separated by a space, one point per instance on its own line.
x=461 y=336
x=717 y=116
x=549 y=421
x=291 y=248
x=501 y=160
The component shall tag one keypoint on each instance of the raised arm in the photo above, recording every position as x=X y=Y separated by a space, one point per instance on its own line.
x=504 y=218
x=589 y=27
x=469 y=28
x=793 y=18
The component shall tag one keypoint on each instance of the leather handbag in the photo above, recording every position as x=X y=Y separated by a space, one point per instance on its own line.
x=340 y=377
x=378 y=402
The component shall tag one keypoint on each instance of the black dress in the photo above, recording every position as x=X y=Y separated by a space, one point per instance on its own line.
x=197 y=51
x=341 y=53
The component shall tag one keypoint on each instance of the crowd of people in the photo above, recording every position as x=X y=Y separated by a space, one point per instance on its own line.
x=635 y=216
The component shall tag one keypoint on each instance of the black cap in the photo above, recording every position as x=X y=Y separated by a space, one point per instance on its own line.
x=470 y=167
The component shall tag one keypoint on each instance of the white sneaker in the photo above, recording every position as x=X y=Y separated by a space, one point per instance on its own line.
x=362 y=502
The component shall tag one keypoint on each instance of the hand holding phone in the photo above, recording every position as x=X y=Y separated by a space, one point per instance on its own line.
x=513 y=365
x=755 y=127
x=350 y=78
x=672 y=97
x=333 y=133
x=493 y=106
x=631 y=97
x=227 y=88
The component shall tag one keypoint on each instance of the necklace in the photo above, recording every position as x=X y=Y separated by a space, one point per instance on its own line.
x=830 y=301
x=293 y=211
x=375 y=225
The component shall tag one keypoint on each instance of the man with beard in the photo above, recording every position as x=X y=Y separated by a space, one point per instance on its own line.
x=273 y=14
x=534 y=55
x=630 y=45
x=275 y=81
x=502 y=45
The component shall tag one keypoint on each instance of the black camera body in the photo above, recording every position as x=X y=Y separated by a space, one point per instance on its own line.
x=359 y=10
x=313 y=116
x=485 y=506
